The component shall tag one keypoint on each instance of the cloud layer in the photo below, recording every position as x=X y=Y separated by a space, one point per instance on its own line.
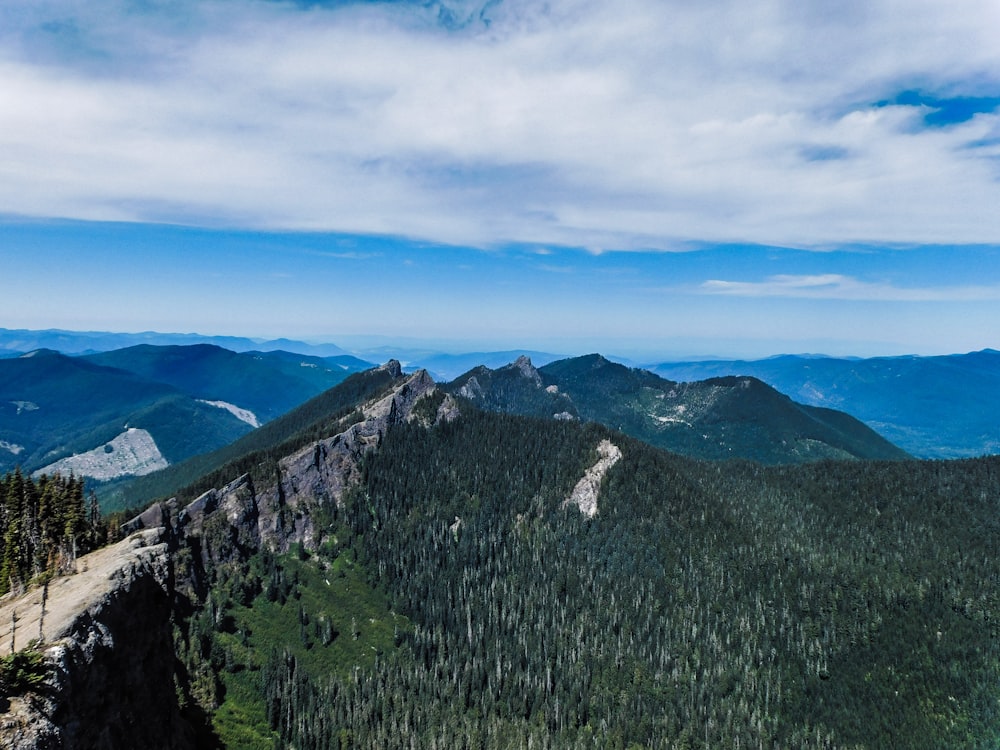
x=834 y=286
x=637 y=124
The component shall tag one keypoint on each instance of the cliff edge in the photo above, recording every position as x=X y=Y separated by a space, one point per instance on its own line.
x=120 y=594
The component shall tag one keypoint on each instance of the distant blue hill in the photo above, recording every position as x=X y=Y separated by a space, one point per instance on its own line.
x=932 y=407
x=19 y=341
x=266 y=383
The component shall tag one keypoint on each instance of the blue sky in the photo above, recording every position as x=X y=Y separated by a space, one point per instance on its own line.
x=719 y=178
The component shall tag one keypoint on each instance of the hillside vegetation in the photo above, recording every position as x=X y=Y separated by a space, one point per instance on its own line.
x=44 y=525
x=719 y=418
x=836 y=604
x=933 y=407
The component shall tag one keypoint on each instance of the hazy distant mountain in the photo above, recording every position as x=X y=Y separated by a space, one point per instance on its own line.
x=53 y=406
x=933 y=407
x=84 y=342
x=265 y=383
x=716 y=418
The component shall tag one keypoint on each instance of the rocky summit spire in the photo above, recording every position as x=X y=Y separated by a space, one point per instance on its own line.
x=523 y=365
x=393 y=368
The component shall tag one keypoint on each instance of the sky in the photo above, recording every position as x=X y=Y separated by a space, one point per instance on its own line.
x=642 y=178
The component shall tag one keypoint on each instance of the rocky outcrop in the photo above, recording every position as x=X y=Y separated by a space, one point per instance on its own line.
x=523 y=365
x=107 y=637
x=132 y=453
x=316 y=475
x=587 y=490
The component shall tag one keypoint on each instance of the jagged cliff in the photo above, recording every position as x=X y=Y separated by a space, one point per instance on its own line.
x=108 y=631
x=106 y=634
x=317 y=475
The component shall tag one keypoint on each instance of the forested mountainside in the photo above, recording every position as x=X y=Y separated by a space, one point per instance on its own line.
x=933 y=407
x=838 y=604
x=267 y=384
x=719 y=418
x=429 y=577
x=53 y=406
x=132 y=411
x=848 y=604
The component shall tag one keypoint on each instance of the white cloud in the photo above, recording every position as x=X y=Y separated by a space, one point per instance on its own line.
x=637 y=124
x=840 y=287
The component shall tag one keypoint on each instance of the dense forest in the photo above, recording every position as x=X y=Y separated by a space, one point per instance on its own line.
x=45 y=523
x=455 y=601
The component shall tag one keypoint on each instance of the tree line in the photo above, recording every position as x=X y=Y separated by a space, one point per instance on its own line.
x=45 y=524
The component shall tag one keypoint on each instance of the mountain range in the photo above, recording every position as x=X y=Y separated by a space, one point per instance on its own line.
x=391 y=565
x=932 y=407
x=723 y=418
x=139 y=418
x=135 y=410
x=717 y=418
x=14 y=342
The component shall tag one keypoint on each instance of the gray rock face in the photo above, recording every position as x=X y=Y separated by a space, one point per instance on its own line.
x=471 y=390
x=317 y=475
x=523 y=365
x=112 y=655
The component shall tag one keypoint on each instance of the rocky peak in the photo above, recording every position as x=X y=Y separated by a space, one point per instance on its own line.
x=318 y=474
x=523 y=365
x=393 y=367
x=472 y=389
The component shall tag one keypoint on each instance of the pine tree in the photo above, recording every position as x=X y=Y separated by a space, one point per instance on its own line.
x=11 y=565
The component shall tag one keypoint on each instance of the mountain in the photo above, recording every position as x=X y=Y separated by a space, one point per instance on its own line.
x=88 y=342
x=320 y=416
x=267 y=384
x=730 y=417
x=932 y=407
x=442 y=366
x=408 y=570
x=53 y=406
x=136 y=410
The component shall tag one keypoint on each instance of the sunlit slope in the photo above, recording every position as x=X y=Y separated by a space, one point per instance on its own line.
x=717 y=418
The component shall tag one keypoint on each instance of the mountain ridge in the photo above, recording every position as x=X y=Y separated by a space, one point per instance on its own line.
x=189 y=399
x=716 y=418
x=44 y=413
x=933 y=407
x=401 y=568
